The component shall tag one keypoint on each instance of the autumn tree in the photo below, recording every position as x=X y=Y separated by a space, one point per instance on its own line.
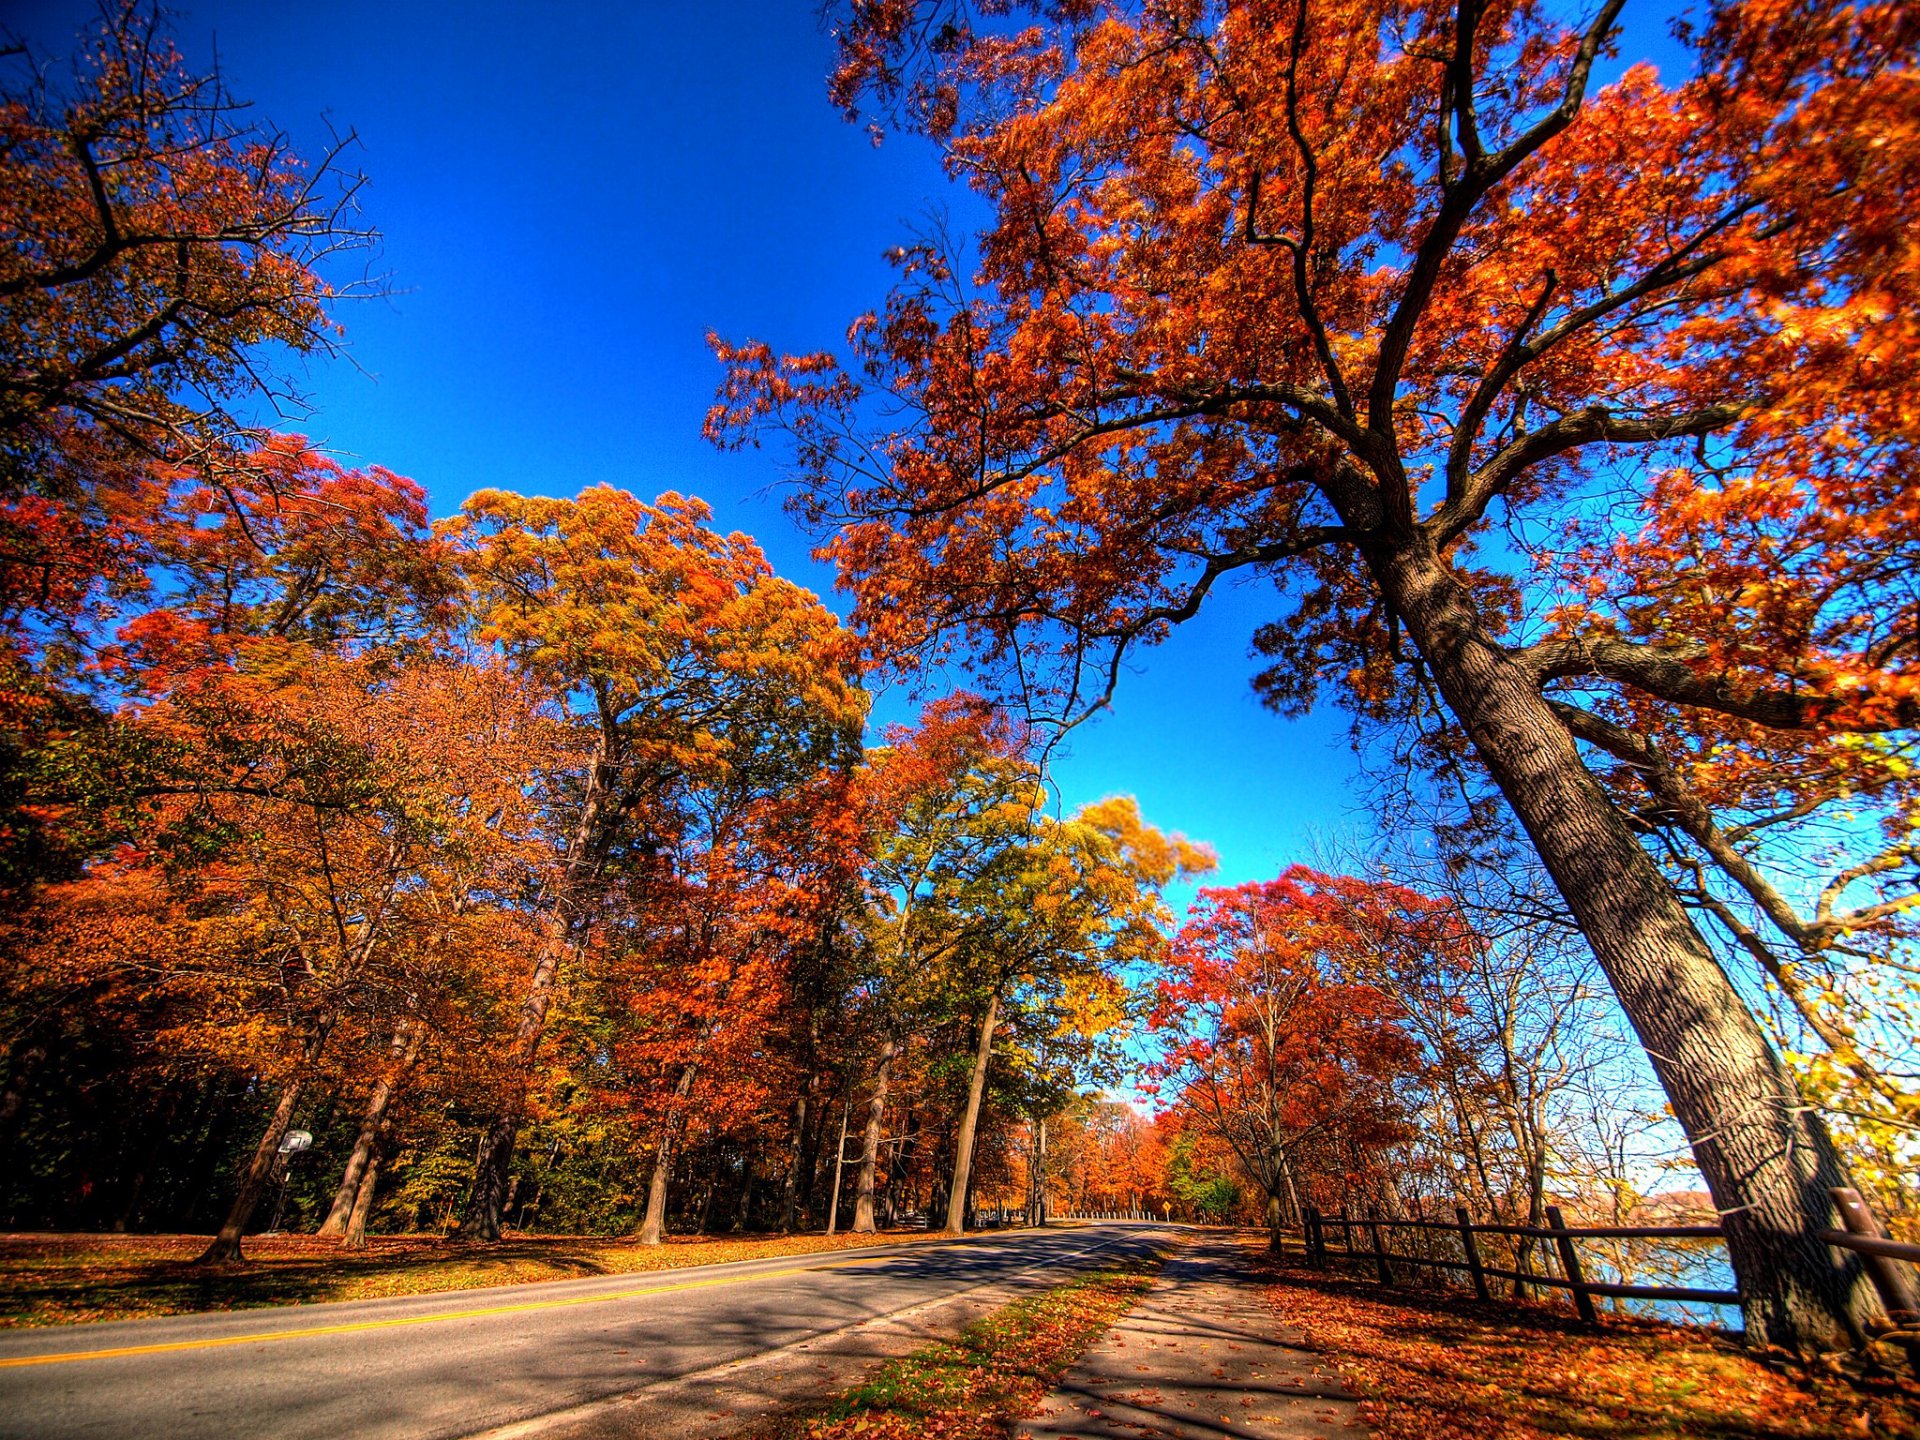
x=164 y=244
x=990 y=915
x=714 y=963
x=312 y=877
x=1329 y=294
x=685 y=661
x=1795 y=851
x=1275 y=1042
x=1107 y=1156
x=165 y=252
x=927 y=797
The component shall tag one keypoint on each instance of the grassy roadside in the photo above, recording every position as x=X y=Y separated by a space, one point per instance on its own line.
x=1437 y=1367
x=67 y=1279
x=1000 y=1368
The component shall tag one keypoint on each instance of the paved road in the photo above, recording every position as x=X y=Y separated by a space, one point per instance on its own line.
x=465 y=1362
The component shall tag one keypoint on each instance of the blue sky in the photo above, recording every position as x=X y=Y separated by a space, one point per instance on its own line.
x=571 y=197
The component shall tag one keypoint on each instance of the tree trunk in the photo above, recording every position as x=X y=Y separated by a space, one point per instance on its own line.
x=790 y=1187
x=839 y=1165
x=653 y=1225
x=253 y=1184
x=1291 y=1203
x=1037 y=1211
x=706 y=1209
x=401 y=1056
x=1767 y=1158
x=970 y=1120
x=356 y=1235
x=743 y=1217
x=870 y=1149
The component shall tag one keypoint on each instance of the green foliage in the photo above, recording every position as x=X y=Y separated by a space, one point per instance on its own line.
x=1212 y=1196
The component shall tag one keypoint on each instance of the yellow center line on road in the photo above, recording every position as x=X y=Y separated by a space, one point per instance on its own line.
x=67 y=1357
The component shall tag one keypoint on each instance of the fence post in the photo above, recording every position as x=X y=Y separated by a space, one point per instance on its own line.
x=1473 y=1253
x=1570 y=1263
x=1423 y=1242
x=1346 y=1231
x=1379 y=1250
x=1896 y=1292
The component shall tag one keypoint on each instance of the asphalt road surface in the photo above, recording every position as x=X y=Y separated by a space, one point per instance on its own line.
x=470 y=1361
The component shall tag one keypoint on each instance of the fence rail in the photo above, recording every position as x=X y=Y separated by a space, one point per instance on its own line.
x=1885 y=1260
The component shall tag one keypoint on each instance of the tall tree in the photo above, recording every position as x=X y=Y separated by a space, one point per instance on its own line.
x=990 y=913
x=1327 y=291
x=165 y=254
x=1276 y=1045
x=686 y=661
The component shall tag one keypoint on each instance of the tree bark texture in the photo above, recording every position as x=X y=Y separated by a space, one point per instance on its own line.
x=1766 y=1156
x=653 y=1224
x=356 y=1236
x=863 y=1221
x=970 y=1121
x=401 y=1056
x=1037 y=1210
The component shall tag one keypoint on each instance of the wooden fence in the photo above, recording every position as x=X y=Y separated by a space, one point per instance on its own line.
x=1370 y=1238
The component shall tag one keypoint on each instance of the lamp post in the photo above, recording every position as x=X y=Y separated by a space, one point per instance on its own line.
x=291 y=1144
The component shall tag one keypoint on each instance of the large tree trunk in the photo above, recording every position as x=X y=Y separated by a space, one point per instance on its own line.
x=870 y=1148
x=1766 y=1156
x=653 y=1224
x=401 y=1056
x=356 y=1234
x=970 y=1121
x=253 y=1182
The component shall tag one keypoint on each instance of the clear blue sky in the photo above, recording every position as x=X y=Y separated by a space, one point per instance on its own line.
x=571 y=196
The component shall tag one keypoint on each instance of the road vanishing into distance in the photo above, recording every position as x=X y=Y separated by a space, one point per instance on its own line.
x=564 y=1358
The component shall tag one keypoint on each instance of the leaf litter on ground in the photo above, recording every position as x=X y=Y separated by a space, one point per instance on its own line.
x=998 y=1370
x=1436 y=1365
